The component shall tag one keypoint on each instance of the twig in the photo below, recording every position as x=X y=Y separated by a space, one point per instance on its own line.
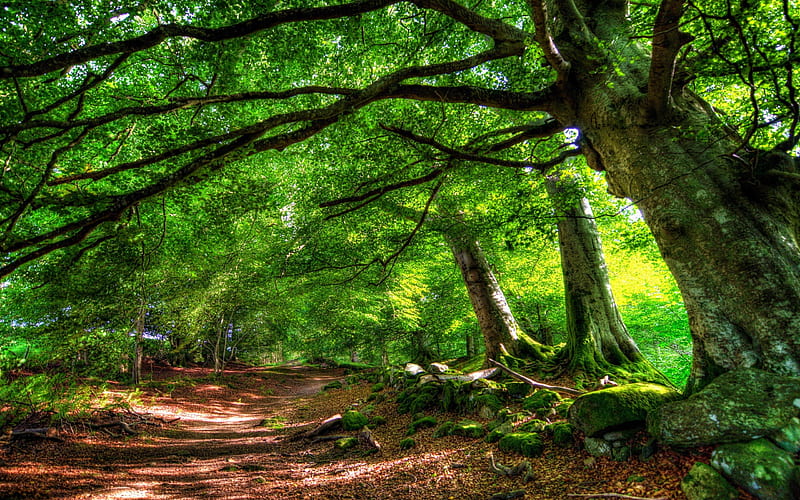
x=533 y=383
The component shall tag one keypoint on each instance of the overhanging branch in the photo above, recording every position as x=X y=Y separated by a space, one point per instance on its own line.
x=667 y=41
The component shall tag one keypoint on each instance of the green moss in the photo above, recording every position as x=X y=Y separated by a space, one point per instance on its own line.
x=490 y=401
x=562 y=408
x=562 y=434
x=518 y=389
x=354 y=420
x=378 y=387
x=446 y=429
x=499 y=431
x=419 y=397
x=528 y=444
x=336 y=384
x=376 y=421
x=534 y=425
x=407 y=443
x=540 y=400
x=469 y=428
x=421 y=423
x=345 y=443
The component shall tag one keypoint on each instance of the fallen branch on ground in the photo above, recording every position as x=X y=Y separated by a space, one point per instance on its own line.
x=521 y=469
x=326 y=425
x=39 y=433
x=533 y=383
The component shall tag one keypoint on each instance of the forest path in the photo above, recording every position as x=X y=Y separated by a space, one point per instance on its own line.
x=234 y=440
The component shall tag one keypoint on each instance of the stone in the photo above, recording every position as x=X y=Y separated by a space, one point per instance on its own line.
x=703 y=482
x=354 y=420
x=528 y=444
x=788 y=437
x=562 y=434
x=759 y=467
x=621 y=453
x=542 y=399
x=413 y=369
x=469 y=428
x=518 y=389
x=737 y=406
x=438 y=368
x=618 y=408
x=597 y=447
x=345 y=443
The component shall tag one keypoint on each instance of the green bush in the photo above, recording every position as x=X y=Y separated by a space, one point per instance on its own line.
x=354 y=420
x=528 y=444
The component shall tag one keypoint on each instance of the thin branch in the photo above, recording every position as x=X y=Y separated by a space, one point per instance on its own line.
x=545 y=39
x=163 y=32
x=533 y=383
x=377 y=193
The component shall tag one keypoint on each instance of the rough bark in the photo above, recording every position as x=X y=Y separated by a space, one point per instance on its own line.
x=497 y=323
x=596 y=335
x=725 y=217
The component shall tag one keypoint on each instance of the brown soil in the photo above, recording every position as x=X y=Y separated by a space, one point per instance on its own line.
x=233 y=440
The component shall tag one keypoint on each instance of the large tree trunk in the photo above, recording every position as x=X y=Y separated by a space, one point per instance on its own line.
x=725 y=217
x=722 y=231
x=497 y=323
x=596 y=334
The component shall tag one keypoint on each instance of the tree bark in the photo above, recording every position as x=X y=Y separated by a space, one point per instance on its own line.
x=497 y=323
x=725 y=216
x=596 y=335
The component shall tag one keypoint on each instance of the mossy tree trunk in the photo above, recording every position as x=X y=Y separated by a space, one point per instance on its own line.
x=597 y=338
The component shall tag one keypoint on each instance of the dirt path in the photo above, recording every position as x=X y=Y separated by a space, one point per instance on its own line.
x=233 y=440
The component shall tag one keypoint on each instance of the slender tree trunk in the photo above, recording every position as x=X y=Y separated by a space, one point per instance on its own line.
x=497 y=323
x=472 y=349
x=596 y=335
x=423 y=352
x=138 y=348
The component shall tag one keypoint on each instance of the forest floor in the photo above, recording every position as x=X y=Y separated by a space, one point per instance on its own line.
x=234 y=440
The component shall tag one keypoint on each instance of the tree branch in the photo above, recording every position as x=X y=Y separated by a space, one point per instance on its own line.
x=163 y=32
x=545 y=39
x=667 y=41
x=533 y=383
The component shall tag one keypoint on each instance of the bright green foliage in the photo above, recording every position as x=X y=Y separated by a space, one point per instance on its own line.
x=353 y=420
x=528 y=444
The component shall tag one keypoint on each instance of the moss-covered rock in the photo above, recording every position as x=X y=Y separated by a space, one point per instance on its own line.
x=737 y=406
x=487 y=404
x=419 y=397
x=534 y=425
x=704 y=483
x=353 y=420
x=407 y=443
x=378 y=387
x=345 y=443
x=540 y=400
x=528 y=444
x=563 y=434
x=562 y=408
x=421 y=423
x=469 y=428
x=618 y=407
x=518 y=389
x=446 y=429
x=788 y=437
x=759 y=467
x=498 y=431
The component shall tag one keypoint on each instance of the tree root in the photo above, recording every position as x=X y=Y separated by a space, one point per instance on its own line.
x=533 y=383
x=522 y=469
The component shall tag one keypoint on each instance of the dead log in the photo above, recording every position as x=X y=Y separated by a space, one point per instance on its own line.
x=126 y=429
x=330 y=423
x=535 y=384
x=366 y=438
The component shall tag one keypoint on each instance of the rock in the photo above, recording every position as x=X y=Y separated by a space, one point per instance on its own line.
x=562 y=434
x=354 y=420
x=518 y=389
x=542 y=399
x=421 y=423
x=438 y=368
x=620 y=453
x=759 y=467
x=497 y=432
x=413 y=369
x=738 y=406
x=469 y=428
x=597 y=447
x=528 y=444
x=703 y=482
x=616 y=408
x=788 y=437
